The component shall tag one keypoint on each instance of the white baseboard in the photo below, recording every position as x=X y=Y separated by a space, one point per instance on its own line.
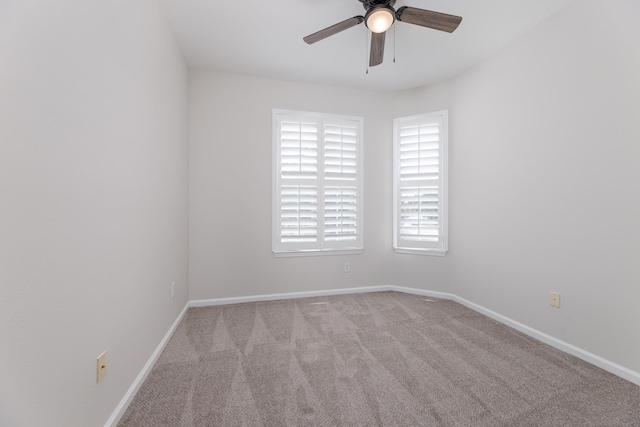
x=589 y=357
x=594 y=359
x=129 y=395
x=288 y=295
x=424 y=293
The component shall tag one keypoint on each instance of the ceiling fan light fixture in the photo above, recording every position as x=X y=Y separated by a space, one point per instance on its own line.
x=380 y=19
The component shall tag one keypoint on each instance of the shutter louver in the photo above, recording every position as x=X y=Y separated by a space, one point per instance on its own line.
x=340 y=213
x=299 y=150
x=299 y=214
x=419 y=214
x=419 y=152
x=340 y=151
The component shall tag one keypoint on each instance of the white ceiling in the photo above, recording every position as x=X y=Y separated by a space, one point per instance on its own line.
x=264 y=38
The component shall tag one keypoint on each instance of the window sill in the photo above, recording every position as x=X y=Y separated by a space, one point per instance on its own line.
x=431 y=252
x=317 y=253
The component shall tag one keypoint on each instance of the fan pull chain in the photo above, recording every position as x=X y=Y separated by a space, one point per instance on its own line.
x=366 y=42
x=394 y=44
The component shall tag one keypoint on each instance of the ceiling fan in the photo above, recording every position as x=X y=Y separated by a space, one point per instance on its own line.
x=380 y=16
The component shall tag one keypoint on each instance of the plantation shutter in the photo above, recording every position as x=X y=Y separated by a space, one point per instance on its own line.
x=317 y=183
x=298 y=176
x=420 y=171
x=340 y=173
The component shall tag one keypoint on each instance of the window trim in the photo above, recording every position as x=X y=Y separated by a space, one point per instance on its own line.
x=358 y=246
x=444 y=185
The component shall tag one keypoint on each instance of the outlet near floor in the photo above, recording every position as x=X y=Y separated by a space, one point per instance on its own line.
x=102 y=366
x=554 y=299
x=347 y=267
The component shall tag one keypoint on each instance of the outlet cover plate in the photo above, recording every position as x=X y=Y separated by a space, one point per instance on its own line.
x=554 y=299
x=102 y=366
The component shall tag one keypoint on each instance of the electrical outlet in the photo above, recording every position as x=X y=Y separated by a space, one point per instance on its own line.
x=173 y=289
x=347 y=267
x=102 y=366
x=554 y=299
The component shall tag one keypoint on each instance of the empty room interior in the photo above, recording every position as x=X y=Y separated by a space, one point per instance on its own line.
x=143 y=208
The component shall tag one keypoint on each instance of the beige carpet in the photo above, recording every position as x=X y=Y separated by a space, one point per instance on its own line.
x=378 y=359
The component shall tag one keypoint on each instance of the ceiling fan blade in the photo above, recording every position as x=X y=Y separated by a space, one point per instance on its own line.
x=377 y=49
x=429 y=19
x=334 y=29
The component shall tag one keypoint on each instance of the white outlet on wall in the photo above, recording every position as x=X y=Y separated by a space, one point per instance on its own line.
x=102 y=366
x=173 y=289
x=554 y=299
x=347 y=267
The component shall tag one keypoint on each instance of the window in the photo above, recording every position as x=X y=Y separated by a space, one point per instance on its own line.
x=420 y=184
x=317 y=184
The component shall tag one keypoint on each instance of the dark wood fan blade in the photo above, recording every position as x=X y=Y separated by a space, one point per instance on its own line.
x=377 y=49
x=429 y=19
x=334 y=29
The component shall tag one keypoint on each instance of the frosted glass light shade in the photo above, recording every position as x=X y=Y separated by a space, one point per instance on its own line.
x=379 y=20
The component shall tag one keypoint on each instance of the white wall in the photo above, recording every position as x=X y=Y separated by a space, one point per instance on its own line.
x=545 y=178
x=93 y=202
x=230 y=209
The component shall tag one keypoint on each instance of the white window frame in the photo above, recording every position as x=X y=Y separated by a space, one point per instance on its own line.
x=400 y=244
x=321 y=246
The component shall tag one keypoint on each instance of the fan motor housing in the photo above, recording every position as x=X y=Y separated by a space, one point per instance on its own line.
x=369 y=4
